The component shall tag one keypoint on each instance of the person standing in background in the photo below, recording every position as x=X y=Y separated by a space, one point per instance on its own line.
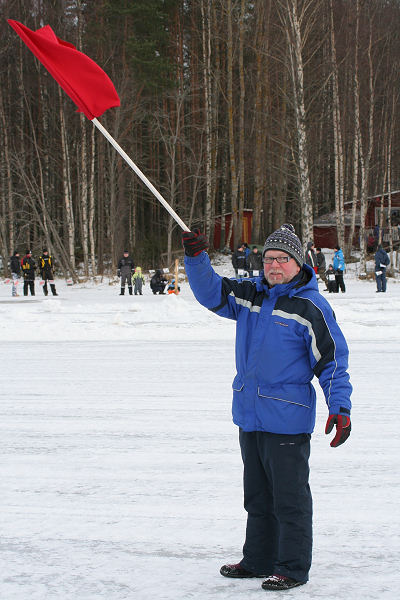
x=28 y=269
x=339 y=266
x=46 y=266
x=125 y=269
x=321 y=265
x=254 y=262
x=382 y=261
x=15 y=268
x=311 y=257
x=239 y=260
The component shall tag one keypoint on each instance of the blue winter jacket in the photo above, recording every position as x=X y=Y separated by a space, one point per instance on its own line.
x=284 y=336
x=338 y=261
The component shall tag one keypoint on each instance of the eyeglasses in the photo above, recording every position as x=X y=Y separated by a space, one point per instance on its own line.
x=268 y=260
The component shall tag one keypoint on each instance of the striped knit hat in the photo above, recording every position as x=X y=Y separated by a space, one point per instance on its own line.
x=285 y=239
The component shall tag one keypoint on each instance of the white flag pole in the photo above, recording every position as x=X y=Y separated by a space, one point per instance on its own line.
x=140 y=174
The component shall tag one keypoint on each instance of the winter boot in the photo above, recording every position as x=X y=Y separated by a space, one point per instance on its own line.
x=122 y=291
x=53 y=289
x=280 y=582
x=130 y=290
x=237 y=572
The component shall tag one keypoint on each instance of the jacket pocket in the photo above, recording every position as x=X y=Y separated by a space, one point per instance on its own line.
x=298 y=395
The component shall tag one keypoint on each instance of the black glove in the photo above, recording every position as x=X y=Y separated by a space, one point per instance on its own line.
x=343 y=428
x=118 y=273
x=194 y=242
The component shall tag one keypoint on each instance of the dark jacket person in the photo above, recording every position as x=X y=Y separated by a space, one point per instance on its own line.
x=46 y=266
x=28 y=270
x=126 y=268
x=382 y=261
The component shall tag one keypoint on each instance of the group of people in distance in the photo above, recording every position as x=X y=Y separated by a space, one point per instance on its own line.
x=134 y=278
x=246 y=260
x=249 y=261
x=331 y=276
x=27 y=267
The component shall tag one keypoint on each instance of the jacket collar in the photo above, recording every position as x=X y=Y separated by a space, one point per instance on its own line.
x=304 y=280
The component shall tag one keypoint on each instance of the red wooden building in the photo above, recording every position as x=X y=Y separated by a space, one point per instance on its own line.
x=225 y=222
x=325 y=235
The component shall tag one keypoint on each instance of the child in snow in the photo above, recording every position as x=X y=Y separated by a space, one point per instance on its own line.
x=138 y=281
x=331 y=280
x=171 y=288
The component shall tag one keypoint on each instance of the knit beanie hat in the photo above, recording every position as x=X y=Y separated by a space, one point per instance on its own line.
x=285 y=239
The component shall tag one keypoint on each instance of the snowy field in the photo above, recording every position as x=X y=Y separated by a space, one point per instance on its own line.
x=120 y=465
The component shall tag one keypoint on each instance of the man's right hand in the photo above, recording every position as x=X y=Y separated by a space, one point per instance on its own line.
x=194 y=242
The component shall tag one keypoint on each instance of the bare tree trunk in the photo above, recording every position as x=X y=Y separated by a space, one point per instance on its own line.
x=231 y=136
x=294 y=38
x=242 y=88
x=92 y=203
x=215 y=73
x=356 y=134
x=260 y=109
x=8 y=178
x=84 y=196
x=365 y=159
x=392 y=118
x=67 y=185
x=83 y=173
x=206 y=43
x=337 y=137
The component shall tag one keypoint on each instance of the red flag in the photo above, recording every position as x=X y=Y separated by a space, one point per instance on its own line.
x=80 y=77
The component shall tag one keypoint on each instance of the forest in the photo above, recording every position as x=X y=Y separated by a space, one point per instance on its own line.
x=289 y=108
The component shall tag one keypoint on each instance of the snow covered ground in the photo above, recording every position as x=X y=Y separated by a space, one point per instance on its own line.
x=120 y=466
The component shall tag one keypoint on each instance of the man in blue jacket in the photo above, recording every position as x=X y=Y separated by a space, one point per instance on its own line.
x=339 y=266
x=286 y=333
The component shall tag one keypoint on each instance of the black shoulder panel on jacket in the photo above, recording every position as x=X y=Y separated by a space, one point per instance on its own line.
x=305 y=312
x=244 y=292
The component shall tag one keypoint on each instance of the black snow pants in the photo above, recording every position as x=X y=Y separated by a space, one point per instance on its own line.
x=278 y=502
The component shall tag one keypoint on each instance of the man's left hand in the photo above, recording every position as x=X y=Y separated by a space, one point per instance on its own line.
x=343 y=428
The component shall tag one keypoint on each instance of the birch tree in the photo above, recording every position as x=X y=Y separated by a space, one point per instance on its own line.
x=262 y=17
x=231 y=130
x=338 y=150
x=206 y=48
x=293 y=22
x=365 y=151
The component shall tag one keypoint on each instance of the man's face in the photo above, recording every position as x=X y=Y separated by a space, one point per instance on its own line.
x=276 y=273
